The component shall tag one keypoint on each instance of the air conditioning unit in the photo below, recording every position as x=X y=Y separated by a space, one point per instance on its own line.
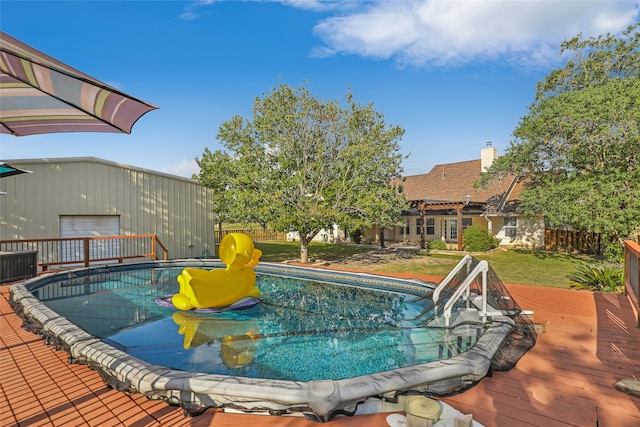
x=18 y=265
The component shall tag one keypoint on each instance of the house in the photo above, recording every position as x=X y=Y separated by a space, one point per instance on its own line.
x=446 y=201
x=87 y=196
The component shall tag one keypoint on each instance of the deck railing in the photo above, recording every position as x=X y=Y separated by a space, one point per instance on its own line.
x=83 y=251
x=632 y=275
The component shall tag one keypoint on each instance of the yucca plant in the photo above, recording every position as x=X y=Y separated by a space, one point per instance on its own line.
x=601 y=278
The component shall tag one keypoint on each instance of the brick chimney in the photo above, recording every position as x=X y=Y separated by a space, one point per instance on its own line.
x=487 y=156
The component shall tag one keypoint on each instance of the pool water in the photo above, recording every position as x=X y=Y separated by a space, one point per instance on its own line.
x=302 y=330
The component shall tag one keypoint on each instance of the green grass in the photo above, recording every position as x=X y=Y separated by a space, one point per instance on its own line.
x=535 y=267
x=512 y=266
x=287 y=251
x=434 y=265
x=525 y=267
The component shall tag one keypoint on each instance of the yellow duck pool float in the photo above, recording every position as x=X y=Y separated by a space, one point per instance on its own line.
x=221 y=287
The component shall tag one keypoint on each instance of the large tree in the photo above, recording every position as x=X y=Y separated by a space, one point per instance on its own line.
x=216 y=172
x=578 y=148
x=304 y=164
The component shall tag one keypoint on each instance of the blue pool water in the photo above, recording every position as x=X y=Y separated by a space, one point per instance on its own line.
x=302 y=330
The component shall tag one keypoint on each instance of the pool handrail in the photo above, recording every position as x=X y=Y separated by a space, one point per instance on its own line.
x=482 y=267
x=464 y=262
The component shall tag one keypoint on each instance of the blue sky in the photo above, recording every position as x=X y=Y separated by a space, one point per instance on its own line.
x=453 y=73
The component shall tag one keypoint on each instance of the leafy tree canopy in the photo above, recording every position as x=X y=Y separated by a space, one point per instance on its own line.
x=578 y=148
x=304 y=164
x=215 y=172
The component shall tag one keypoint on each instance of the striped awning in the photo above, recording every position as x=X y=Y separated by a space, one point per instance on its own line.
x=39 y=94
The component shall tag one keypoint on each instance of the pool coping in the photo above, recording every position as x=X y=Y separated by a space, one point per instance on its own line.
x=195 y=392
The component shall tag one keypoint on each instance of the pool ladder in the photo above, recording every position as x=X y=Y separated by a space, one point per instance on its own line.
x=464 y=290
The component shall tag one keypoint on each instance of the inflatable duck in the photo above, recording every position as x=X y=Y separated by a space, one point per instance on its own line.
x=221 y=287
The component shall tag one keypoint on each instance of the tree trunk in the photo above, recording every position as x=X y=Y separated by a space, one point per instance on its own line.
x=304 y=249
x=305 y=240
x=382 y=238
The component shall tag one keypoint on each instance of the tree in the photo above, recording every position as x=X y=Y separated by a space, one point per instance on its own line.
x=578 y=148
x=303 y=164
x=217 y=172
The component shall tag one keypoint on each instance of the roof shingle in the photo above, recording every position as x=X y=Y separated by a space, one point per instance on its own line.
x=452 y=182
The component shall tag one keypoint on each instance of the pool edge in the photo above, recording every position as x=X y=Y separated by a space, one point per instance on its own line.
x=196 y=391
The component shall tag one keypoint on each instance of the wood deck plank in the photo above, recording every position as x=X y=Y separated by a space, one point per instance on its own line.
x=567 y=379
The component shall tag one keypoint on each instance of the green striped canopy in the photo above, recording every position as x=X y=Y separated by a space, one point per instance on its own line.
x=39 y=94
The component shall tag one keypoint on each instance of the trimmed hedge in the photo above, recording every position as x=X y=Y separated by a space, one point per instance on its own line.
x=477 y=239
x=437 y=244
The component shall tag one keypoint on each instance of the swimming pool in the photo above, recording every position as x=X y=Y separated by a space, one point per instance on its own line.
x=320 y=342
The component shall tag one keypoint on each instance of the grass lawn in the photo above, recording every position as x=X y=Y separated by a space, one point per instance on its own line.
x=529 y=267
x=283 y=251
x=524 y=267
x=512 y=266
x=434 y=265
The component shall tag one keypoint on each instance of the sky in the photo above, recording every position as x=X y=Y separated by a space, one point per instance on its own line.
x=454 y=74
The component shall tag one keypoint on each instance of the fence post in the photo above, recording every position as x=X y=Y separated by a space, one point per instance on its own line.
x=153 y=247
x=632 y=276
x=85 y=242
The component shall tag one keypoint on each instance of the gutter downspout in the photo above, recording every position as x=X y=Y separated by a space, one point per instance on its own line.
x=500 y=205
x=489 y=223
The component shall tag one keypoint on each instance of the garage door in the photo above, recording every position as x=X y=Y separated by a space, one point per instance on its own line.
x=89 y=226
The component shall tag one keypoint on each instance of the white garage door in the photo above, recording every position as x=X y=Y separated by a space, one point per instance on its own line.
x=89 y=226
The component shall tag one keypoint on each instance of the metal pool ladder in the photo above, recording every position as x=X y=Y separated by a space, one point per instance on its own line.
x=481 y=267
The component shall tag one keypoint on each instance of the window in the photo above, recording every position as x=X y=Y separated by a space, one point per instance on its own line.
x=418 y=228
x=466 y=222
x=404 y=229
x=453 y=229
x=510 y=227
x=431 y=226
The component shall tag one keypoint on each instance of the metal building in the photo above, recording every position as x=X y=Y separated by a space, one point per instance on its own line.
x=87 y=196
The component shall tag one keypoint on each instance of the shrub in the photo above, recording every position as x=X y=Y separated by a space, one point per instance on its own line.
x=437 y=244
x=356 y=236
x=598 y=278
x=478 y=239
x=614 y=252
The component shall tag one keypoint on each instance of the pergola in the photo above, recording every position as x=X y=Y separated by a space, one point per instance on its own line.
x=433 y=205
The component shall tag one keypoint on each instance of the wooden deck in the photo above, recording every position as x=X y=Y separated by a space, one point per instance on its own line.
x=567 y=379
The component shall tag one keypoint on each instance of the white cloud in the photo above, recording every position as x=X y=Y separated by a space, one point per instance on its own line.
x=185 y=168
x=450 y=32
x=192 y=10
x=318 y=5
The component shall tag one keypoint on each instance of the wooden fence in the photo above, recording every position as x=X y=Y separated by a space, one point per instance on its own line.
x=257 y=234
x=573 y=241
x=632 y=275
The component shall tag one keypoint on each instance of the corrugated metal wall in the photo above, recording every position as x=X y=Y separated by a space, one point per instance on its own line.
x=178 y=210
